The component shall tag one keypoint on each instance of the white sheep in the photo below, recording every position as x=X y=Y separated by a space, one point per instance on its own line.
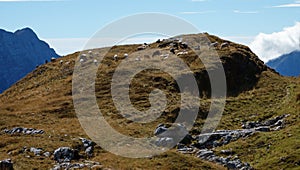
x=138 y=58
x=125 y=55
x=90 y=54
x=115 y=57
x=53 y=59
x=215 y=44
x=164 y=56
x=225 y=44
x=95 y=62
x=81 y=60
x=182 y=53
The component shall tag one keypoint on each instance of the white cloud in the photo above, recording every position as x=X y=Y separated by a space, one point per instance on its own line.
x=197 y=12
x=291 y=5
x=270 y=46
x=245 y=12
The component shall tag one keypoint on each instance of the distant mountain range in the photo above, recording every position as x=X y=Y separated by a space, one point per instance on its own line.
x=287 y=65
x=20 y=53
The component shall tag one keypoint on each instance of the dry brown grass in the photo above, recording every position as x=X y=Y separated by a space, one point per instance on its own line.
x=43 y=100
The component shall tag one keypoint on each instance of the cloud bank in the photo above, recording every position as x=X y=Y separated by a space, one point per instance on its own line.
x=291 y=5
x=271 y=46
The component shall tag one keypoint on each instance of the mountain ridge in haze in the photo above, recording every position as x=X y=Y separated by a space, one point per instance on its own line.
x=287 y=64
x=20 y=53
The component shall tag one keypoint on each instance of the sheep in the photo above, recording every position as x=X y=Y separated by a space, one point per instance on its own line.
x=115 y=57
x=165 y=56
x=225 y=44
x=182 y=53
x=138 y=58
x=215 y=44
x=81 y=60
x=125 y=55
x=142 y=47
x=53 y=59
x=90 y=54
x=95 y=62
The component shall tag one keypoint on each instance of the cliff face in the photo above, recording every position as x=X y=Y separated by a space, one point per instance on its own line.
x=20 y=53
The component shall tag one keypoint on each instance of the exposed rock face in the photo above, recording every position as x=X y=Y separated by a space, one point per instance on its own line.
x=20 y=53
x=27 y=131
x=65 y=154
x=6 y=165
x=208 y=141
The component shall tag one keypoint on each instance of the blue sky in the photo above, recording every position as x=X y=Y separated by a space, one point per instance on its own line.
x=63 y=21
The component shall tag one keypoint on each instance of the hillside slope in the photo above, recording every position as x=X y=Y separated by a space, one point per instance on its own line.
x=43 y=100
x=20 y=53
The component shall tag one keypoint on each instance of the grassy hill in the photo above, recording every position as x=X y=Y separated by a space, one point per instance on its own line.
x=43 y=100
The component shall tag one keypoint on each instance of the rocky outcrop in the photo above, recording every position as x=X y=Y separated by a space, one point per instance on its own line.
x=26 y=131
x=205 y=143
x=6 y=165
x=88 y=146
x=84 y=165
x=65 y=154
x=20 y=53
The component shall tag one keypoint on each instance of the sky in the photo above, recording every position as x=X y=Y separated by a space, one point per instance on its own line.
x=269 y=27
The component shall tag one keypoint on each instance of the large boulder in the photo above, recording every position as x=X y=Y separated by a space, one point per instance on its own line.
x=65 y=154
x=6 y=165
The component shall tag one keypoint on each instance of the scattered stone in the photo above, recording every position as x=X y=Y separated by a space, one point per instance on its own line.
x=263 y=129
x=160 y=129
x=276 y=122
x=27 y=131
x=226 y=152
x=207 y=141
x=65 y=154
x=6 y=165
x=221 y=137
x=84 y=165
x=36 y=151
x=47 y=154
x=167 y=136
x=97 y=167
x=234 y=163
x=164 y=142
x=88 y=146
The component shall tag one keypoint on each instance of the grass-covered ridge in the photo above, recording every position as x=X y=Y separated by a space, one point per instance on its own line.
x=43 y=100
